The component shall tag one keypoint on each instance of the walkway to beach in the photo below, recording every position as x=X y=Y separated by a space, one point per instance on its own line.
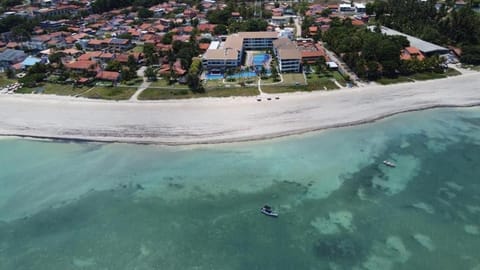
x=145 y=84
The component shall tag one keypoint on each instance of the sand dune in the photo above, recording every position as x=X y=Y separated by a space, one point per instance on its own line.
x=216 y=120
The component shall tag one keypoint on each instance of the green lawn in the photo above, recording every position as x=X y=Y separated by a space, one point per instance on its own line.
x=138 y=48
x=419 y=77
x=427 y=76
x=275 y=89
x=110 y=93
x=339 y=78
x=54 y=89
x=157 y=93
x=5 y=81
x=293 y=78
x=164 y=83
x=399 y=79
x=321 y=82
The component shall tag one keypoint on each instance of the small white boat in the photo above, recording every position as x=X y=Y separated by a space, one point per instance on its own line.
x=267 y=210
x=389 y=163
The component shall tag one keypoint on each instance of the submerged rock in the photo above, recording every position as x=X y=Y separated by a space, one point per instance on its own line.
x=384 y=256
x=338 y=248
x=334 y=223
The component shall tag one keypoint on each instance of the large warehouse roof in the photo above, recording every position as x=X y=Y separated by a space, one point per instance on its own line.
x=424 y=46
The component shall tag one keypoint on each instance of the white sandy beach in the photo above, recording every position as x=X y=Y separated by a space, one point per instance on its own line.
x=216 y=120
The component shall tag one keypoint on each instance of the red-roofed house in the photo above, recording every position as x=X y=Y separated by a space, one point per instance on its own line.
x=177 y=68
x=112 y=76
x=206 y=27
x=410 y=53
x=81 y=66
x=203 y=47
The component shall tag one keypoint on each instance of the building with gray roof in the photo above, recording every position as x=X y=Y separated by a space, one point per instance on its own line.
x=425 y=47
x=10 y=57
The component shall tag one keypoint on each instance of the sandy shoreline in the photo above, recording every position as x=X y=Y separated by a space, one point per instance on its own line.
x=221 y=120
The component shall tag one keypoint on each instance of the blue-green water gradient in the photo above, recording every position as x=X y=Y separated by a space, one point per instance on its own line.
x=67 y=205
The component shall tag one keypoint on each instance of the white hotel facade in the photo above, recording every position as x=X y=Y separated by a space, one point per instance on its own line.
x=221 y=56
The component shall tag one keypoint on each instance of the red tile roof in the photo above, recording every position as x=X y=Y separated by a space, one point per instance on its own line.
x=82 y=65
x=108 y=75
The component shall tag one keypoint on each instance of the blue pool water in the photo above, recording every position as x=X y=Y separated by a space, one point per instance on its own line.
x=214 y=76
x=260 y=59
x=243 y=74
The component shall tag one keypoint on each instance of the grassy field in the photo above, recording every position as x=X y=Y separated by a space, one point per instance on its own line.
x=293 y=78
x=138 y=48
x=275 y=89
x=339 y=78
x=110 y=93
x=157 y=93
x=53 y=89
x=399 y=79
x=419 y=77
x=321 y=82
x=164 y=83
x=5 y=81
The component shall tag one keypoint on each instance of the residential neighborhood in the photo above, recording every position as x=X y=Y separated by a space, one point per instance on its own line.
x=170 y=49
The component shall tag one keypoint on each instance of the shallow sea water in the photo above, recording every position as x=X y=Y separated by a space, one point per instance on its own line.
x=67 y=205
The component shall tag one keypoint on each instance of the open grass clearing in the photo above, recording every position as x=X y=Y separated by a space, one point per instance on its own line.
x=164 y=83
x=53 y=89
x=276 y=89
x=159 y=94
x=5 y=81
x=399 y=79
x=339 y=78
x=110 y=93
x=321 y=82
x=138 y=49
x=293 y=78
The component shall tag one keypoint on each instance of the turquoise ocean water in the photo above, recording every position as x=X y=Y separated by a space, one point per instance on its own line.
x=68 y=205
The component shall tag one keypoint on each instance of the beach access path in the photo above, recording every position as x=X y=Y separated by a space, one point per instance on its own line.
x=217 y=120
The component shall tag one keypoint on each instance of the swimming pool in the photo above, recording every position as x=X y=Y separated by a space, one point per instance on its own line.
x=260 y=59
x=243 y=74
x=214 y=76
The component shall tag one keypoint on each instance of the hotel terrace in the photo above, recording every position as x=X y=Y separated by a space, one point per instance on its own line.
x=229 y=54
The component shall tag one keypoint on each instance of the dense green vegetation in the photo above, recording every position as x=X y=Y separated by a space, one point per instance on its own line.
x=223 y=18
x=20 y=27
x=372 y=55
x=449 y=25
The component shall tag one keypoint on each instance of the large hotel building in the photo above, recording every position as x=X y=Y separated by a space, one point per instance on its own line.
x=229 y=54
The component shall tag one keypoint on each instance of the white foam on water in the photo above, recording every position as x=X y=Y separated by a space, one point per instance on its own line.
x=424 y=241
x=454 y=186
x=473 y=209
x=425 y=207
x=471 y=229
x=83 y=262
